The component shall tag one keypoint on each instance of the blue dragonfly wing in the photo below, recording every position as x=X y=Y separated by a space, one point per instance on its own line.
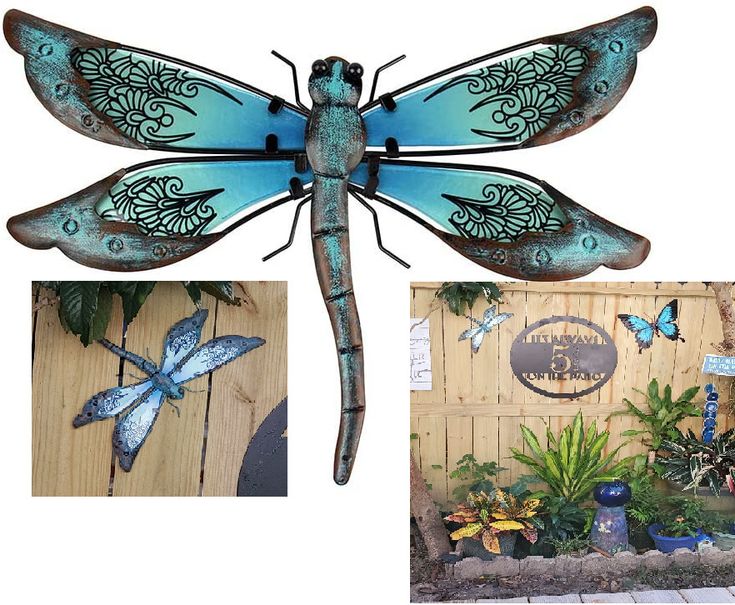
x=666 y=320
x=503 y=220
x=470 y=333
x=212 y=355
x=477 y=341
x=499 y=319
x=136 y=98
x=489 y=314
x=641 y=328
x=181 y=339
x=133 y=428
x=157 y=213
x=531 y=94
x=111 y=402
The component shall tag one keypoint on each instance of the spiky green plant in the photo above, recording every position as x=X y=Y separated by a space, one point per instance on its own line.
x=573 y=462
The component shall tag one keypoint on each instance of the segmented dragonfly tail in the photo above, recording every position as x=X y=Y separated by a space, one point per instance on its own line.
x=331 y=244
x=138 y=361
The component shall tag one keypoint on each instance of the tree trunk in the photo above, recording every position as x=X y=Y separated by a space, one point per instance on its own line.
x=723 y=295
x=427 y=516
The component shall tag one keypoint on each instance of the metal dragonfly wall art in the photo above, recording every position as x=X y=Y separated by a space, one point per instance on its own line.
x=268 y=152
x=139 y=404
x=489 y=320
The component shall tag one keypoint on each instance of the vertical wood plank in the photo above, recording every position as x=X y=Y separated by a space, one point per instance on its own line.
x=433 y=443
x=68 y=461
x=245 y=391
x=459 y=443
x=169 y=464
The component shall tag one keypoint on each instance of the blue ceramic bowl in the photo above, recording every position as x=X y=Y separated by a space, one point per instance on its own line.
x=612 y=493
x=667 y=544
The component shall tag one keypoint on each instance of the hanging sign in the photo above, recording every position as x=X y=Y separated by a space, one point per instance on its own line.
x=719 y=364
x=557 y=360
x=420 y=355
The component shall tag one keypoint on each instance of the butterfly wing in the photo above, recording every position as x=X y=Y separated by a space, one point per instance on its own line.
x=503 y=220
x=181 y=339
x=157 y=213
x=642 y=329
x=527 y=95
x=133 y=428
x=666 y=321
x=136 y=98
x=111 y=402
x=212 y=355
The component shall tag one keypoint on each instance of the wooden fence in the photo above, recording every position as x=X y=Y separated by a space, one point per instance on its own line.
x=477 y=405
x=198 y=453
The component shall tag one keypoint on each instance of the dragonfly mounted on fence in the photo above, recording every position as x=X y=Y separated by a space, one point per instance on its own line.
x=270 y=152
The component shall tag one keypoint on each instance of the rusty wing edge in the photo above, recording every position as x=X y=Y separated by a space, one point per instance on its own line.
x=73 y=226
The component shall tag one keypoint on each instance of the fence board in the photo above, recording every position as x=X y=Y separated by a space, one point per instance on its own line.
x=485 y=418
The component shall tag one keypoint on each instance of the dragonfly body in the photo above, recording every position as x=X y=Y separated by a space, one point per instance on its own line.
x=335 y=144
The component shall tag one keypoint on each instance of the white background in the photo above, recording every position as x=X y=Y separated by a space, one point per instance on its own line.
x=660 y=165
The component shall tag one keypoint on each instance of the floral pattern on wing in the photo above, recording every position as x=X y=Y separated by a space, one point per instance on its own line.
x=504 y=214
x=158 y=205
x=139 y=95
x=522 y=94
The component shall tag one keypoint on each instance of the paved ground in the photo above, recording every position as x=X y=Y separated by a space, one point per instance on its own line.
x=686 y=595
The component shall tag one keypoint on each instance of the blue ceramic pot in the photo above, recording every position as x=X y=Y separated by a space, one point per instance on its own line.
x=612 y=493
x=668 y=544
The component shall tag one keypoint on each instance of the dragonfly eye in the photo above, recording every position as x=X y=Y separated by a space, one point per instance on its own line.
x=319 y=67
x=355 y=71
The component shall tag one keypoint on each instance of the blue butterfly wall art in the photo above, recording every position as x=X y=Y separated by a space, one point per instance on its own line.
x=139 y=404
x=664 y=325
x=267 y=152
x=489 y=321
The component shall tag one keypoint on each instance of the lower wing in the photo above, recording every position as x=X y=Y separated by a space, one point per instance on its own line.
x=504 y=220
x=642 y=329
x=133 y=429
x=112 y=401
x=157 y=213
x=212 y=355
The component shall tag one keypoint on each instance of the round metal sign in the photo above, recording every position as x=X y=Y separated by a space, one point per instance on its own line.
x=546 y=352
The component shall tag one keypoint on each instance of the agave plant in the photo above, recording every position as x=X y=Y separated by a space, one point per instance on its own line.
x=696 y=464
x=486 y=516
x=573 y=462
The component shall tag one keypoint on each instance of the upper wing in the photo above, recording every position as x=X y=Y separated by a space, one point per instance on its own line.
x=133 y=429
x=212 y=355
x=499 y=319
x=666 y=320
x=531 y=94
x=135 y=98
x=503 y=220
x=157 y=213
x=642 y=329
x=111 y=402
x=489 y=313
x=181 y=339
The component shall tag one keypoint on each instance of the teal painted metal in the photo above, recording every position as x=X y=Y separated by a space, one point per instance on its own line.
x=155 y=214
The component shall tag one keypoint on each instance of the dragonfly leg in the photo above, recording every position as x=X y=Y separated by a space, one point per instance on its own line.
x=174 y=406
x=382 y=248
x=295 y=78
x=293 y=230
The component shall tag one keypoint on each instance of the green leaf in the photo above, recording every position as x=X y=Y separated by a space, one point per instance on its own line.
x=194 y=291
x=98 y=325
x=134 y=297
x=78 y=306
x=414 y=435
x=436 y=467
x=632 y=433
x=221 y=290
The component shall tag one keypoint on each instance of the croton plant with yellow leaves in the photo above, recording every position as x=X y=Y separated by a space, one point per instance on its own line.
x=486 y=516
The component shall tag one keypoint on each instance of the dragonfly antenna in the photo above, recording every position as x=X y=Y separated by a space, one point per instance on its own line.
x=377 y=73
x=295 y=78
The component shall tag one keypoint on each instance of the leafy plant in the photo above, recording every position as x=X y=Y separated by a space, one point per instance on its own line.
x=682 y=517
x=577 y=547
x=85 y=306
x=573 y=462
x=461 y=295
x=485 y=516
x=476 y=476
x=695 y=464
x=663 y=414
x=645 y=502
x=564 y=520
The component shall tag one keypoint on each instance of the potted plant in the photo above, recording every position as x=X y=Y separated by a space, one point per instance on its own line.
x=663 y=414
x=687 y=463
x=495 y=520
x=679 y=525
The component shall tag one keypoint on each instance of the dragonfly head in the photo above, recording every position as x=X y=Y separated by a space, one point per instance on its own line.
x=334 y=81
